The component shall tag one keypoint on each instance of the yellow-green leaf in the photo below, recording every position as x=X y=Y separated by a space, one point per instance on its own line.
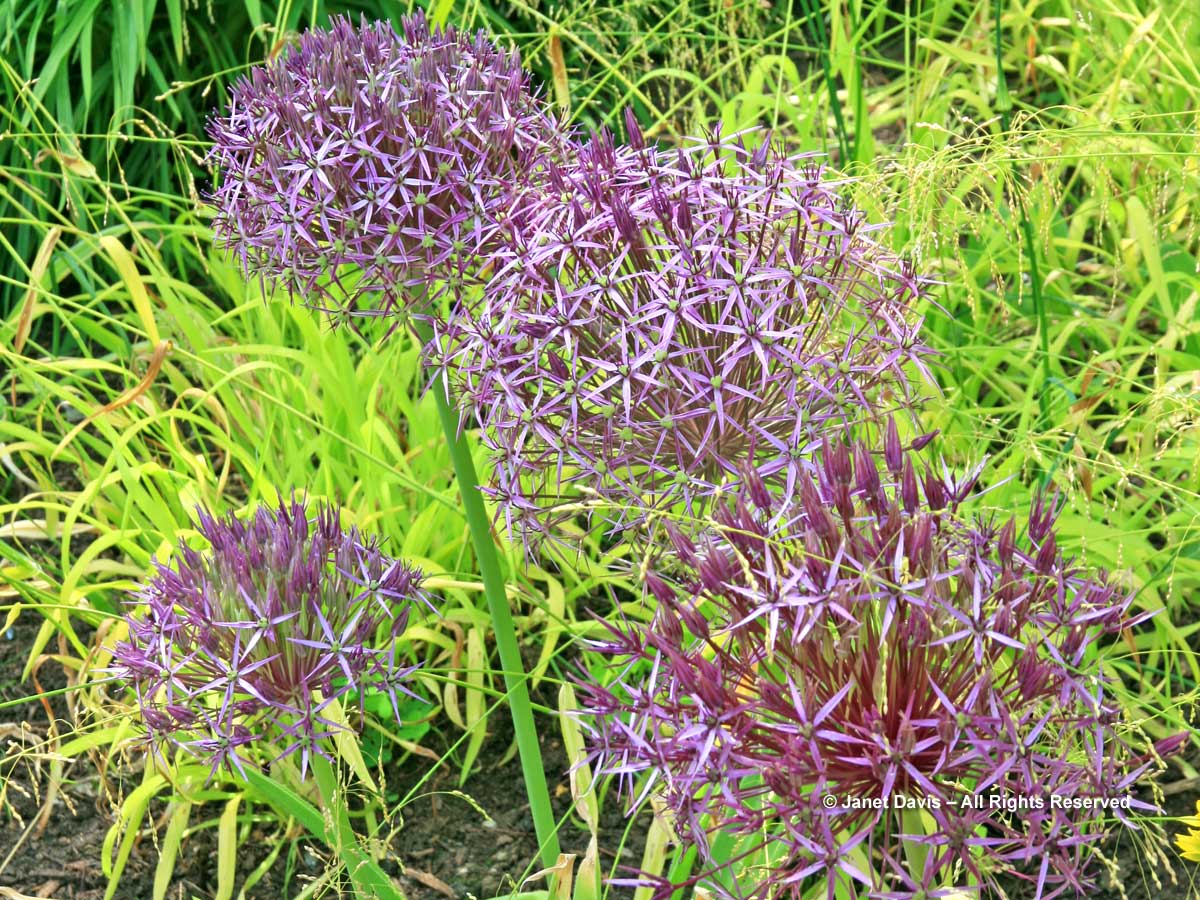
x=169 y=848
x=654 y=855
x=558 y=70
x=587 y=877
x=346 y=742
x=227 y=849
x=128 y=270
x=580 y=773
x=129 y=822
x=475 y=718
x=36 y=272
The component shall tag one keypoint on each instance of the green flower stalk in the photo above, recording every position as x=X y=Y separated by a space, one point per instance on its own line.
x=361 y=171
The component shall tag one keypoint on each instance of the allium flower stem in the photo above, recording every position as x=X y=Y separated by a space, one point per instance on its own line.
x=681 y=870
x=502 y=623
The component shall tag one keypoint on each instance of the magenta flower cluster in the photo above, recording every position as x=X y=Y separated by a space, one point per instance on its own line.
x=814 y=669
x=654 y=321
x=243 y=646
x=362 y=164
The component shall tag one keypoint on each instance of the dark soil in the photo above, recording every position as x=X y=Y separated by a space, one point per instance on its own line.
x=445 y=837
x=446 y=848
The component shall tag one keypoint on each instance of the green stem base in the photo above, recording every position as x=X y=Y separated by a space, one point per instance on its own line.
x=519 y=703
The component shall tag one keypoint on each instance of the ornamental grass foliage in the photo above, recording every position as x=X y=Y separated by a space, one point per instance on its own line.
x=872 y=644
x=244 y=647
x=362 y=164
x=654 y=320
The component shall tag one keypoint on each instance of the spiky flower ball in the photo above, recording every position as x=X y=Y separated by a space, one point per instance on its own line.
x=878 y=695
x=655 y=320
x=243 y=647
x=361 y=164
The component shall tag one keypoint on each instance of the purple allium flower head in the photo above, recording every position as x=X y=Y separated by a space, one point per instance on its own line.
x=251 y=640
x=656 y=319
x=813 y=665
x=362 y=164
